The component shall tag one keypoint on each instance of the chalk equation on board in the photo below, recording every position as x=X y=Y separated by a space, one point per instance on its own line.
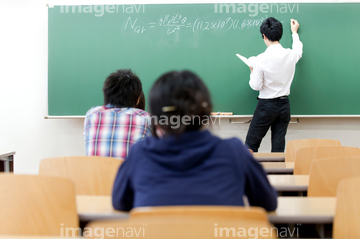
x=177 y=22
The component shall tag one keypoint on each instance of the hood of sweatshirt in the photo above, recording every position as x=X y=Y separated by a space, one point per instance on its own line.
x=183 y=152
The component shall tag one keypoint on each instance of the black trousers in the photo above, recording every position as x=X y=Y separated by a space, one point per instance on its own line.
x=269 y=113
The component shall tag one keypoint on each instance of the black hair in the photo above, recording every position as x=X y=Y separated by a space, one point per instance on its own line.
x=122 y=88
x=272 y=29
x=180 y=94
x=141 y=102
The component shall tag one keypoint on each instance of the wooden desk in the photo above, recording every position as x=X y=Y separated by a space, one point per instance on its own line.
x=278 y=167
x=289 y=183
x=270 y=157
x=315 y=210
x=312 y=210
x=8 y=161
x=97 y=207
x=37 y=237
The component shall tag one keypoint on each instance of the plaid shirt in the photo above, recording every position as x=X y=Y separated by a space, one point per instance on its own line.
x=110 y=131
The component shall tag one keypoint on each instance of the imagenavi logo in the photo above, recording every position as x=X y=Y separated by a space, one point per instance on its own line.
x=253 y=9
x=100 y=10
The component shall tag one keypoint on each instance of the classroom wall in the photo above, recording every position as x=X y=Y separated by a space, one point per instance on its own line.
x=23 y=95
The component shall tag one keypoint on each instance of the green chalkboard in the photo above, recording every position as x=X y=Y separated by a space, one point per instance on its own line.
x=87 y=43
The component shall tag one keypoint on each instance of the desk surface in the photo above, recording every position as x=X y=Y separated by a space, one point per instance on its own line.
x=37 y=237
x=7 y=157
x=278 y=167
x=289 y=183
x=270 y=157
x=6 y=154
x=97 y=207
x=290 y=209
x=314 y=210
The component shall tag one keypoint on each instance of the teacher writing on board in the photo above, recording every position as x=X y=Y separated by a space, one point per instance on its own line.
x=272 y=76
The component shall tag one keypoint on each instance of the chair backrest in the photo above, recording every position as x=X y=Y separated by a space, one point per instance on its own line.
x=325 y=174
x=304 y=156
x=218 y=211
x=293 y=145
x=191 y=223
x=36 y=205
x=347 y=213
x=92 y=175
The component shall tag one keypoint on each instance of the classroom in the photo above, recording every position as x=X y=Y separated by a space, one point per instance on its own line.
x=28 y=129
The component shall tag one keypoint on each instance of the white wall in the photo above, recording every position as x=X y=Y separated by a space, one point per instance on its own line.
x=23 y=90
x=23 y=95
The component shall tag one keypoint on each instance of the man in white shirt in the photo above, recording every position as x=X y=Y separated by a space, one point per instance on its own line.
x=272 y=76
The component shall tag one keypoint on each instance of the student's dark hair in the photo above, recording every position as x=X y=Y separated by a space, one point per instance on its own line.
x=122 y=88
x=141 y=102
x=179 y=94
x=272 y=29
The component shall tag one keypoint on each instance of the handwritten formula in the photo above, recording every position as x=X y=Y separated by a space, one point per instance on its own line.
x=178 y=22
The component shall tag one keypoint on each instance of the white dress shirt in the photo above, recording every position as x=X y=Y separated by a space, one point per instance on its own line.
x=274 y=69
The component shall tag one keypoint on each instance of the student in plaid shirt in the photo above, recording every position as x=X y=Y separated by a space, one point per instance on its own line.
x=110 y=130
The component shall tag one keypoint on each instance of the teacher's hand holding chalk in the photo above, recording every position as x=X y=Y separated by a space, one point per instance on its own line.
x=294 y=25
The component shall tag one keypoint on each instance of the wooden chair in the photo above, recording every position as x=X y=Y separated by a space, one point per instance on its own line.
x=192 y=222
x=293 y=145
x=36 y=205
x=347 y=213
x=305 y=156
x=325 y=174
x=92 y=175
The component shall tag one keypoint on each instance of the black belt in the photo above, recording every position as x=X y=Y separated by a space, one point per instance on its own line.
x=277 y=98
x=281 y=97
